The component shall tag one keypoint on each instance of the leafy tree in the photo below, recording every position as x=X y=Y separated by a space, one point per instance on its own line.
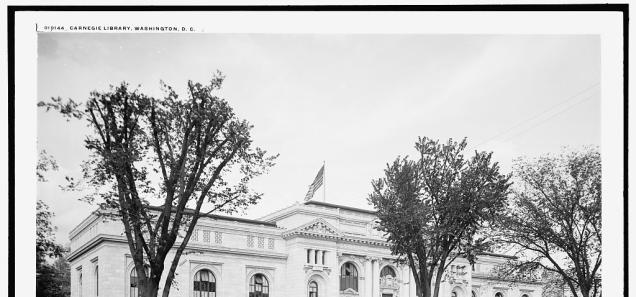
x=555 y=218
x=45 y=245
x=179 y=153
x=51 y=280
x=45 y=163
x=54 y=280
x=433 y=209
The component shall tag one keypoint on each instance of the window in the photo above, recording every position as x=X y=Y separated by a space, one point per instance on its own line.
x=134 y=281
x=313 y=289
x=204 y=284
x=454 y=294
x=348 y=277
x=473 y=294
x=524 y=295
x=387 y=270
x=308 y=256
x=259 y=286
x=499 y=294
x=79 y=282
x=96 y=280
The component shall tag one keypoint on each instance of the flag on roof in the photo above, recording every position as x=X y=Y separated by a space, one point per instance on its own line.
x=316 y=184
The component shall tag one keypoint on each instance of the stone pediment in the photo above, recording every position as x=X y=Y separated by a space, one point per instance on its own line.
x=316 y=228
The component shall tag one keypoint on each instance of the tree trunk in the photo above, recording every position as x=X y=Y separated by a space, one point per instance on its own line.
x=150 y=288
x=438 y=278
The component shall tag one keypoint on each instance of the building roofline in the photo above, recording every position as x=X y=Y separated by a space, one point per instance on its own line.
x=497 y=255
x=223 y=218
x=373 y=212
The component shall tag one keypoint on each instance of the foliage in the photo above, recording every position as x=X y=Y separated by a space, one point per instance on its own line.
x=177 y=153
x=45 y=163
x=555 y=218
x=434 y=209
x=45 y=245
x=54 y=280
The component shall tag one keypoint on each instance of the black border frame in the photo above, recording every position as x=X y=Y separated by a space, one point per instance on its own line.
x=11 y=11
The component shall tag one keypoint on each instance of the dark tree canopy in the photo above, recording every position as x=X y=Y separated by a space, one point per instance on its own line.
x=180 y=153
x=555 y=218
x=433 y=208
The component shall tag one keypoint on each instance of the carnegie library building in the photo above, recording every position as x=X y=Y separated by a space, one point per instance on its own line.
x=312 y=249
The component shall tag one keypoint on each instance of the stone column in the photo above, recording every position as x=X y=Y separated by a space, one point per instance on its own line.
x=405 y=277
x=319 y=258
x=376 y=277
x=368 y=278
x=312 y=257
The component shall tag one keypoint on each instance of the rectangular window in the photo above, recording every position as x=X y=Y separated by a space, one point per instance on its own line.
x=195 y=235
x=261 y=242
x=218 y=237
x=250 y=241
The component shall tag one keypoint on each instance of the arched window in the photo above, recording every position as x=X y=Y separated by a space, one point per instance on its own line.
x=134 y=291
x=259 y=286
x=134 y=281
x=313 y=289
x=473 y=294
x=96 y=280
x=348 y=277
x=79 y=283
x=499 y=294
x=524 y=295
x=387 y=270
x=454 y=294
x=204 y=284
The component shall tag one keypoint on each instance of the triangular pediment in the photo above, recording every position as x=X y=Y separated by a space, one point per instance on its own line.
x=318 y=227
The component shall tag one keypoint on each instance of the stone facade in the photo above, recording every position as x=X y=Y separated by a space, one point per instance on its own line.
x=307 y=249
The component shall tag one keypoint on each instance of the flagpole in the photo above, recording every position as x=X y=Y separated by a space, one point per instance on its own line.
x=324 y=181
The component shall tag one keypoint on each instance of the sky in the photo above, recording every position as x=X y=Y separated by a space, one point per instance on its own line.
x=355 y=102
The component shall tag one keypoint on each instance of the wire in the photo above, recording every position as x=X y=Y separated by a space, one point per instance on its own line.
x=539 y=114
x=549 y=118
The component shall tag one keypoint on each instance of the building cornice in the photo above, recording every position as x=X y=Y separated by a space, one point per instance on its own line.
x=106 y=238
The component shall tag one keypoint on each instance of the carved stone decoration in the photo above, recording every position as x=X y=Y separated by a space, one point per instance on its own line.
x=320 y=227
x=389 y=282
x=349 y=293
x=316 y=228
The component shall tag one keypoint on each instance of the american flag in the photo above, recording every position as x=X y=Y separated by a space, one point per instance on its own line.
x=316 y=184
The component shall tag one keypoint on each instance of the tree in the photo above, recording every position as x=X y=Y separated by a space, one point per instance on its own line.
x=45 y=245
x=51 y=280
x=54 y=280
x=555 y=218
x=179 y=153
x=433 y=209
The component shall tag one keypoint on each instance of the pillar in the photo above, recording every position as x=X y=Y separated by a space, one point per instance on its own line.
x=312 y=257
x=319 y=258
x=368 y=278
x=376 y=277
x=405 y=277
